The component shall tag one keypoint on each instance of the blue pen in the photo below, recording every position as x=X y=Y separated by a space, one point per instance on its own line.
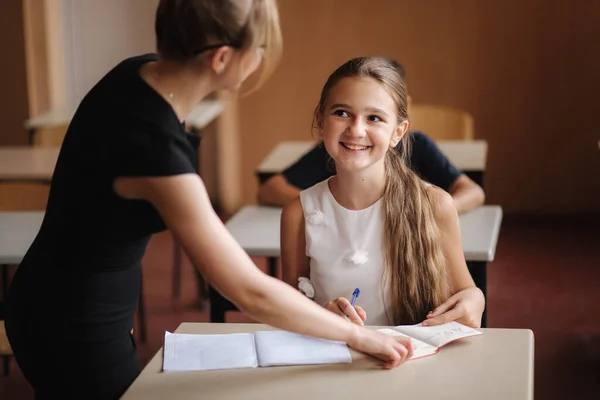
x=355 y=296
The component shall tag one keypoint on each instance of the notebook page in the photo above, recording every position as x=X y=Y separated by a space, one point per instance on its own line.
x=189 y=352
x=438 y=335
x=287 y=348
x=420 y=349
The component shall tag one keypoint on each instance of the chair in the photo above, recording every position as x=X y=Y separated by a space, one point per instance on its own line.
x=441 y=122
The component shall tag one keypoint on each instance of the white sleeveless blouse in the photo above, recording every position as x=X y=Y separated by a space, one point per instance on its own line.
x=346 y=251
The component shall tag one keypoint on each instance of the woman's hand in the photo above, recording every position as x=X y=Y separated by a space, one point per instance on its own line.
x=392 y=350
x=465 y=307
x=342 y=307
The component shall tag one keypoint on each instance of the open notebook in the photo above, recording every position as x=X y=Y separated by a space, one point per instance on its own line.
x=193 y=352
x=427 y=340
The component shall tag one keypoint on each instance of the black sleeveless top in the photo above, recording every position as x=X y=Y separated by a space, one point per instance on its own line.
x=82 y=274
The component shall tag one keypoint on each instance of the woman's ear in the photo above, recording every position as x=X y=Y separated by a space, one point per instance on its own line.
x=398 y=133
x=220 y=59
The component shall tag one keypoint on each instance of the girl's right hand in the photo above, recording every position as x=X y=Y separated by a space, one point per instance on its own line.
x=342 y=307
x=392 y=350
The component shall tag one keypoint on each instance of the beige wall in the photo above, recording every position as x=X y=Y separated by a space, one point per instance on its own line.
x=527 y=71
x=101 y=34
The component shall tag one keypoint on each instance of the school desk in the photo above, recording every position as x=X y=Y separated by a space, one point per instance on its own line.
x=257 y=230
x=497 y=365
x=469 y=156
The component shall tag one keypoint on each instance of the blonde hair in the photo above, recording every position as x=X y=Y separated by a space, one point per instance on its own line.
x=414 y=267
x=183 y=27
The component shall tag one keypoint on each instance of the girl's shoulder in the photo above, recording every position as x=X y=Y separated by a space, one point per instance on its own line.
x=441 y=201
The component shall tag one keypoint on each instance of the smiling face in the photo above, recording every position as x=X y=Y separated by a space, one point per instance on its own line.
x=359 y=123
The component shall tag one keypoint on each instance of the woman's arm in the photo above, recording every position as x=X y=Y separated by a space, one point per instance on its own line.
x=467 y=301
x=184 y=205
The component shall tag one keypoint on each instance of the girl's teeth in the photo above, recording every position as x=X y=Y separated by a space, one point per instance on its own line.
x=353 y=147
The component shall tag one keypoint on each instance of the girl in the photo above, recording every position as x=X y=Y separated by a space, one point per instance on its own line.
x=375 y=225
x=126 y=171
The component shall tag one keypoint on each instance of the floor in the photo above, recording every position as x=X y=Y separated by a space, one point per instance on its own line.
x=546 y=277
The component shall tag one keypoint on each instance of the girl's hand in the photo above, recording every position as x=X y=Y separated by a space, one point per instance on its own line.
x=342 y=307
x=465 y=307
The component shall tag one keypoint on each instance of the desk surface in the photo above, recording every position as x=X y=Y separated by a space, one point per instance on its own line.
x=495 y=365
x=27 y=163
x=203 y=114
x=466 y=155
x=257 y=230
x=18 y=229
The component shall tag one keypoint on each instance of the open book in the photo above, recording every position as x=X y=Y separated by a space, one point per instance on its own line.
x=427 y=340
x=193 y=352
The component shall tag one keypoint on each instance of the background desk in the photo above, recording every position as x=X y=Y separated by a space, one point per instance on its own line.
x=497 y=365
x=469 y=156
x=24 y=163
x=18 y=230
x=257 y=230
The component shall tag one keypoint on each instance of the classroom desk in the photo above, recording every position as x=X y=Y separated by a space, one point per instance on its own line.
x=202 y=115
x=497 y=365
x=25 y=163
x=469 y=156
x=257 y=230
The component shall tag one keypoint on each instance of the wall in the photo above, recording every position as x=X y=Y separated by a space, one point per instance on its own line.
x=100 y=34
x=527 y=71
x=14 y=107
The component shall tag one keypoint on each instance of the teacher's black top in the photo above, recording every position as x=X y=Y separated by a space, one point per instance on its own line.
x=81 y=278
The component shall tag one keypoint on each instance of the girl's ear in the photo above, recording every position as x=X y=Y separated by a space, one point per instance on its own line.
x=398 y=133
x=318 y=119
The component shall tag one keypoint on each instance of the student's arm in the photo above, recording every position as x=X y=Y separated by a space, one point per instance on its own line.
x=433 y=166
x=185 y=207
x=276 y=191
x=309 y=170
x=296 y=264
x=466 y=194
x=467 y=303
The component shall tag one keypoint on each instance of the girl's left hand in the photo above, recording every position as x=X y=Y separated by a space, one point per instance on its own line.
x=465 y=307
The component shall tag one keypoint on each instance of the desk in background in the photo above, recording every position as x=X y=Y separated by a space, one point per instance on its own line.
x=497 y=365
x=25 y=163
x=202 y=115
x=469 y=156
x=257 y=230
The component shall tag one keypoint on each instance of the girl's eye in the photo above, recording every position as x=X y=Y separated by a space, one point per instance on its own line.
x=374 y=118
x=340 y=113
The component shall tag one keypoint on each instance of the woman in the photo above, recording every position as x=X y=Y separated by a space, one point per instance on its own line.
x=126 y=171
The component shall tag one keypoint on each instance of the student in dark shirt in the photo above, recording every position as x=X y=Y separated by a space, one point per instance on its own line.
x=426 y=160
x=126 y=171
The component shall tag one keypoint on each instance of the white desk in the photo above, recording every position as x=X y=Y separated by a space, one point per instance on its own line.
x=25 y=163
x=257 y=230
x=497 y=365
x=17 y=231
x=466 y=155
x=202 y=115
